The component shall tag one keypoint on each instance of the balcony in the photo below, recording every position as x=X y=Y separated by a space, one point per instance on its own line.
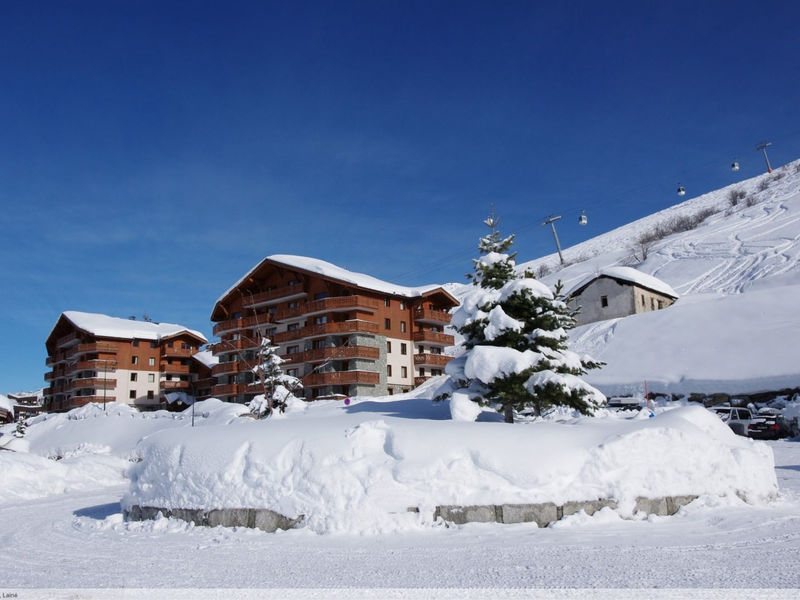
x=341 y=378
x=77 y=401
x=233 y=345
x=174 y=385
x=431 y=360
x=333 y=353
x=168 y=352
x=282 y=294
x=433 y=337
x=241 y=323
x=93 y=382
x=97 y=364
x=418 y=381
x=68 y=340
x=230 y=389
x=230 y=368
x=326 y=305
x=175 y=368
x=429 y=315
x=99 y=347
x=323 y=329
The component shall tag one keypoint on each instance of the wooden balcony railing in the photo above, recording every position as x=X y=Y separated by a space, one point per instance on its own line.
x=93 y=382
x=233 y=345
x=68 y=339
x=429 y=315
x=175 y=368
x=77 y=401
x=273 y=296
x=100 y=347
x=174 y=385
x=341 y=378
x=229 y=389
x=177 y=352
x=241 y=323
x=433 y=337
x=333 y=353
x=432 y=360
x=334 y=328
x=325 y=305
x=230 y=368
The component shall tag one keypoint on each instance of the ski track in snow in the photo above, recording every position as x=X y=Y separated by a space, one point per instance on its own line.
x=79 y=540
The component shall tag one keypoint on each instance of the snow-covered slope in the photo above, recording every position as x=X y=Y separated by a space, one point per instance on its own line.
x=735 y=327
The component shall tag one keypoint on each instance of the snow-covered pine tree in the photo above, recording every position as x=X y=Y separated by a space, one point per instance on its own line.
x=515 y=331
x=278 y=386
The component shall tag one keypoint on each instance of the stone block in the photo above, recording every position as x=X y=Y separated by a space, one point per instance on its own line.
x=458 y=515
x=588 y=506
x=674 y=503
x=542 y=514
x=652 y=506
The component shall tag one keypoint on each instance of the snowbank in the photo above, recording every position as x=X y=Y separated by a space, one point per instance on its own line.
x=361 y=476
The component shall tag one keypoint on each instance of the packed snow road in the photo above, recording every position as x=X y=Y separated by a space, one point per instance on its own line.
x=79 y=540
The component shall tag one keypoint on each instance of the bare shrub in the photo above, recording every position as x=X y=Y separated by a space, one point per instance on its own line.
x=735 y=195
x=750 y=201
x=763 y=185
x=543 y=271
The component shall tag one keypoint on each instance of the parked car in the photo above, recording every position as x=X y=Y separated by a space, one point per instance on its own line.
x=623 y=403
x=738 y=419
x=765 y=428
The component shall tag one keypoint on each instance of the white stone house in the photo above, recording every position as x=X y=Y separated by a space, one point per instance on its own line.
x=617 y=292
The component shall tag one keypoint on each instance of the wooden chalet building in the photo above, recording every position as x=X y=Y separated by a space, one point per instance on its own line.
x=97 y=358
x=341 y=333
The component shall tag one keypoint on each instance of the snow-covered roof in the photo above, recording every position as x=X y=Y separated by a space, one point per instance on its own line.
x=628 y=274
x=115 y=327
x=6 y=404
x=326 y=269
x=207 y=358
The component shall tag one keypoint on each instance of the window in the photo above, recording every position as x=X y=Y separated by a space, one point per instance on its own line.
x=132 y=394
x=293 y=327
x=660 y=304
x=403 y=371
x=292 y=372
x=321 y=296
x=135 y=343
x=604 y=301
x=402 y=305
x=151 y=377
x=422 y=372
x=436 y=371
x=388 y=347
x=134 y=376
x=403 y=326
x=293 y=350
x=389 y=370
x=134 y=360
x=403 y=349
x=150 y=394
x=643 y=304
x=151 y=361
x=387 y=301
x=652 y=303
x=294 y=304
x=153 y=345
x=185 y=346
x=321 y=320
x=387 y=323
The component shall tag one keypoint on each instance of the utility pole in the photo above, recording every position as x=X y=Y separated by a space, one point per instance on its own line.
x=551 y=220
x=763 y=147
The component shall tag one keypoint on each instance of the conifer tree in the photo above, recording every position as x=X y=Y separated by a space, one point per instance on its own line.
x=515 y=331
x=277 y=385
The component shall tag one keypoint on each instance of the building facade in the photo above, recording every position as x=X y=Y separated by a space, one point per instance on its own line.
x=97 y=358
x=341 y=333
x=618 y=292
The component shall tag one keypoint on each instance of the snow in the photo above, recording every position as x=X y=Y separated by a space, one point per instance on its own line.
x=207 y=358
x=628 y=274
x=115 y=327
x=326 y=269
x=734 y=328
x=6 y=404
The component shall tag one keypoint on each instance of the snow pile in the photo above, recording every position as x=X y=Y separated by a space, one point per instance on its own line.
x=28 y=476
x=360 y=472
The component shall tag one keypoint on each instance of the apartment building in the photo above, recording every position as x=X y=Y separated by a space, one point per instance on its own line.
x=342 y=333
x=97 y=358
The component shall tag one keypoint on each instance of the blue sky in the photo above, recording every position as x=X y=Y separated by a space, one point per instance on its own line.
x=153 y=152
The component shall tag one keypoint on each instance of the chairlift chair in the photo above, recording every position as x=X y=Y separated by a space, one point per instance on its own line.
x=582 y=220
x=735 y=166
x=681 y=190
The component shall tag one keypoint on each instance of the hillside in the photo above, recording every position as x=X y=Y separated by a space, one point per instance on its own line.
x=737 y=268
